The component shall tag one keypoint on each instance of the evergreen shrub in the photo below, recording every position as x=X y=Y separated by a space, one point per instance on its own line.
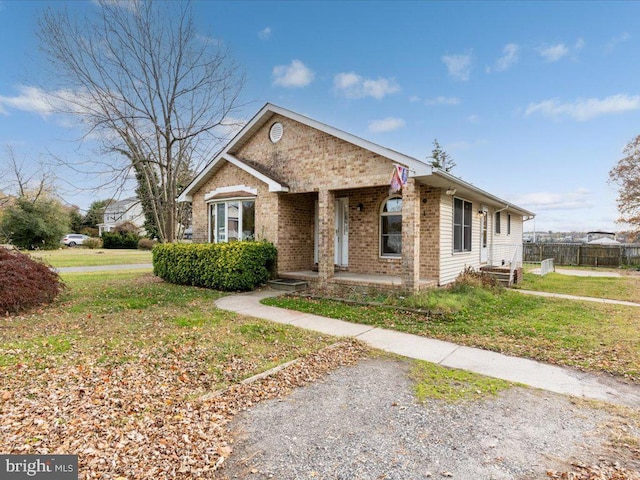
x=222 y=266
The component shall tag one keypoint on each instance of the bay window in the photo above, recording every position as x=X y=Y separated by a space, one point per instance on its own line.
x=232 y=220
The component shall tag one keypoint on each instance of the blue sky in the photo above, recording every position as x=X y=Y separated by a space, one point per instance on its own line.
x=534 y=100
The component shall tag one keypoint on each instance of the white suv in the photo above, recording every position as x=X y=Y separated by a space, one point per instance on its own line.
x=73 y=239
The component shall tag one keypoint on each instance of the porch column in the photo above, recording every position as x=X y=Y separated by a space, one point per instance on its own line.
x=326 y=238
x=411 y=235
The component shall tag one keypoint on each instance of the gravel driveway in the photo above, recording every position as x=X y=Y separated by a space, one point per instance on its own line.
x=363 y=422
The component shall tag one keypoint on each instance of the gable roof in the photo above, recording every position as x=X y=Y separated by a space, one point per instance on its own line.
x=417 y=168
x=440 y=178
x=262 y=117
x=125 y=203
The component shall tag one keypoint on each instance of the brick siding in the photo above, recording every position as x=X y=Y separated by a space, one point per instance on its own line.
x=319 y=167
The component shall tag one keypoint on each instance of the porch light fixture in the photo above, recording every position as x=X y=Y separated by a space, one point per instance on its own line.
x=482 y=213
x=451 y=191
x=360 y=207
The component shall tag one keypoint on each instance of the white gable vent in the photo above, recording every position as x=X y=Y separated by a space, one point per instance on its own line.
x=275 y=133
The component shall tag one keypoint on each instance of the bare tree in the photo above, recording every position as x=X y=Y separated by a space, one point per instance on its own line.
x=21 y=183
x=626 y=174
x=155 y=92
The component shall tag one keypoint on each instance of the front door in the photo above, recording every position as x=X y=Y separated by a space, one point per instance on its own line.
x=483 y=236
x=342 y=232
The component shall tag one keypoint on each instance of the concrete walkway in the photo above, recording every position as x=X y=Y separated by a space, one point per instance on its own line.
x=102 y=268
x=529 y=372
x=579 y=273
x=576 y=297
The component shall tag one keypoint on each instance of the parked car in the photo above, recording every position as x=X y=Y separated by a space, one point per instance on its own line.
x=73 y=239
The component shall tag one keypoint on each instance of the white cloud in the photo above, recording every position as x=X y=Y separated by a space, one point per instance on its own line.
x=296 y=74
x=615 y=41
x=577 y=200
x=131 y=5
x=554 y=52
x=386 y=124
x=442 y=101
x=510 y=56
x=458 y=66
x=465 y=145
x=230 y=126
x=352 y=85
x=30 y=99
x=580 y=43
x=414 y=99
x=265 y=33
x=209 y=40
x=585 y=108
x=473 y=118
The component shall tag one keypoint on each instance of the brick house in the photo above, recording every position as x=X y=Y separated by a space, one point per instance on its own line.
x=322 y=196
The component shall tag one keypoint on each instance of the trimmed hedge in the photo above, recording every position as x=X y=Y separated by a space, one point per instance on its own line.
x=120 y=240
x=222 y=266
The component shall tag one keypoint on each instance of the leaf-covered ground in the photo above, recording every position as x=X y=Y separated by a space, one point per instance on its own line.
x=116 y=371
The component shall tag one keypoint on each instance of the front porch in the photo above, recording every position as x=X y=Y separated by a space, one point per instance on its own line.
x=362 y=237
x=364 y=280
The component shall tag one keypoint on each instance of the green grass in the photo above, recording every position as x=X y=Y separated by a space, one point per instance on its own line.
x=590 y=336
x=77 y=256
x=626 y=287
x=452 y=385
x=112 y=320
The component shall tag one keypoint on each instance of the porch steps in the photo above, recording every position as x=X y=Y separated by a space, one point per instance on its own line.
x=287 y=284
x=501 y=276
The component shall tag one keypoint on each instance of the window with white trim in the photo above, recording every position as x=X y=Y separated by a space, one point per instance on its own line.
x=391 y=227
x=232 y=220
x=462 y=219
x=508 y=224
x=498 y=222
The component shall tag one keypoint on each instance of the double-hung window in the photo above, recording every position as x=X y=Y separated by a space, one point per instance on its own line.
x=498 y=222
x=462 y=217
x=232 y=220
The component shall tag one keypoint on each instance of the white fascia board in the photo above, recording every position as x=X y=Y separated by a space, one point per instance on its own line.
x=455 y=181
x=229 y=189
x=187 y=193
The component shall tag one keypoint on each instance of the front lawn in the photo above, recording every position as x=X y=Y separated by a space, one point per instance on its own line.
x=626 y=287
x=594 y=337
x=114 y=370
x=78 y=256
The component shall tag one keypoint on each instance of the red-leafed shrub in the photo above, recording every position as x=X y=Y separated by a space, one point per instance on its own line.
x=25 y=283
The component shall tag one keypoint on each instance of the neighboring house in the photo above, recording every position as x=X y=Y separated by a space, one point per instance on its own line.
x=602 y=238
x=127 y=210
x=322 y=196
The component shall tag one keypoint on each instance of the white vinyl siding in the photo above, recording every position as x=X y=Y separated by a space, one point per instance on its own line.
x=451 y=264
